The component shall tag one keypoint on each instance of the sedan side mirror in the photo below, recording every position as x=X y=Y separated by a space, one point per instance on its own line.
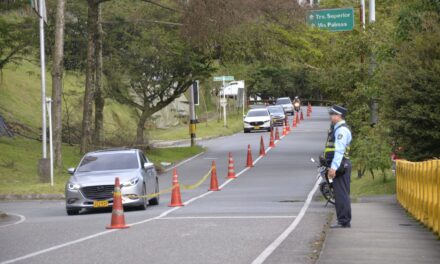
x=148 y=165
x=71 y=170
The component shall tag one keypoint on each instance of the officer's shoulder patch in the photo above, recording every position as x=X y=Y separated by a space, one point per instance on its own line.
x=340 y=136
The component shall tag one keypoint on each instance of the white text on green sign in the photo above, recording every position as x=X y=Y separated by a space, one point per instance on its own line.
x=340 y=19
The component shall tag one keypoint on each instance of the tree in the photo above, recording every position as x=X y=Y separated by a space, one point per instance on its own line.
x=151 y=69
x=15 y=40
x=57 y=81
x=411 y=89
x=92 y=30
x=99 y=98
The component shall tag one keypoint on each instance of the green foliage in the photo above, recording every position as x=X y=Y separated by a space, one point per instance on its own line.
x=154 y=66
x=18 y=175
x=15 y=40
x=411 y=88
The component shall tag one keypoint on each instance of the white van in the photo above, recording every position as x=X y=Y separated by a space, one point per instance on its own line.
x=231 y=89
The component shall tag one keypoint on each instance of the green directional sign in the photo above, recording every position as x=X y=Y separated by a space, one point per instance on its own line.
x=223 y=78
x=339 y=19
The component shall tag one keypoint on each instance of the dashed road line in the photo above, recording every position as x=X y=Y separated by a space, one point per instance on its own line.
x=164 y=214
x=229 y=217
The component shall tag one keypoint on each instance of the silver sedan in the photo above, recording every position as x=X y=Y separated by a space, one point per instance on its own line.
x=92 y=182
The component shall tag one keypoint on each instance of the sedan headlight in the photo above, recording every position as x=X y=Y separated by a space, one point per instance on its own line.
x=131 y=182
x=73 y=186
x=246 y=122
x=267 y=121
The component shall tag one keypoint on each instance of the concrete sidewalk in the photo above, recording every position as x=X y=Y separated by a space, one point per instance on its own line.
x=381 y=232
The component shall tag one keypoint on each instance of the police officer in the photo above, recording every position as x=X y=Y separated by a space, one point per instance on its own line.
x=337 y=155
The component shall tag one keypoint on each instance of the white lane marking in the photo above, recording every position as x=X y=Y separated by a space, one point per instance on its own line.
x=36 y=253
x=20 y=220
x=184 y=161
x=230 y=217
x=273 y=246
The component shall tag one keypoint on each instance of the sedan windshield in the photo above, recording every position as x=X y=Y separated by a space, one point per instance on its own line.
x=112 y=161
x=276 y=110
x=283 y=101
x=257 y=113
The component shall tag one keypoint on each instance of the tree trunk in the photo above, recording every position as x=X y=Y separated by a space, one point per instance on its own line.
x=141 y=128
x=99 y=98
x=57 y=82
x=92 y=20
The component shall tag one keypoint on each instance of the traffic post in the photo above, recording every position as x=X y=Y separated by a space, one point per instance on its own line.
x=194 y=98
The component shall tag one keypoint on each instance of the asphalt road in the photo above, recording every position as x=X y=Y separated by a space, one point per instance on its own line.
x=241 y=223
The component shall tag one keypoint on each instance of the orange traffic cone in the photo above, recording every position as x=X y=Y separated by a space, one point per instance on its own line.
x=294 y=122
x=262 y=149
x=176 y=199
x=214 y=180
x=249 y=162
x=277 y=134
x=302 y=116
x=118 y=219
x=231 y=168
x=272 y=141
x=297 y=118
x=287 y=126
x=308 y=110
x=284 y=130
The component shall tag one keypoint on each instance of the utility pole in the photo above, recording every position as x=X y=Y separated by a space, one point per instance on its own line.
x=372 y=16
x=43 y=164
x=374 y=106
x=192 y=114
x=49 y=111
x=42 y=12
x=362 y=12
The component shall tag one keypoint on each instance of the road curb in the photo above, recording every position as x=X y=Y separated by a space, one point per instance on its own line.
x=184 y=142
x=11 y=197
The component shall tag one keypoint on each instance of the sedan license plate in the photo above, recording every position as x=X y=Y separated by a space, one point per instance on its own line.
x=257 y=127
x=98 y=204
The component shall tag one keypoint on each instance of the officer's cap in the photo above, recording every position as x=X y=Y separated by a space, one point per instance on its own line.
x=337 y=110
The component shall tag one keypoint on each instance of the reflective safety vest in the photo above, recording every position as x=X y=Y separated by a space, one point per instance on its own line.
x=329 y=151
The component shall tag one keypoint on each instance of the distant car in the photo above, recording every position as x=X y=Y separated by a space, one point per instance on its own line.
x=277 y=114
x=92 y=182
x=257 y=119
x=286 y=103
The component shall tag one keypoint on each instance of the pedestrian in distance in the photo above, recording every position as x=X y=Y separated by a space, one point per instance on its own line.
x=337 y=156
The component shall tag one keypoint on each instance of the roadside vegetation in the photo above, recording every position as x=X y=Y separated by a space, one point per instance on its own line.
x=212 y=128
x=129 y=59
x=368 y=186
x=19 y=157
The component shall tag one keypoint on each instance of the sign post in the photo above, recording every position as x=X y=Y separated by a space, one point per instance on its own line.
x=39 y=6
x=338 y=19
x=192 y=112
x=223 y=101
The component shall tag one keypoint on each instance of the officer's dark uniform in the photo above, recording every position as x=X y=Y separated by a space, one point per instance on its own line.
x=337 y=155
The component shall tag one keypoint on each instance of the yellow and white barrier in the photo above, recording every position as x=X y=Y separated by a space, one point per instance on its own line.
x=418 y=190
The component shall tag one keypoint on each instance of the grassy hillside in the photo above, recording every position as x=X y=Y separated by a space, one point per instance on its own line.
x=20 y=100
x=20 y=104
x=19 y=158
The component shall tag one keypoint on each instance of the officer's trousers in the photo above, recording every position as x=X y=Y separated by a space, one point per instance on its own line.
x=341 y=187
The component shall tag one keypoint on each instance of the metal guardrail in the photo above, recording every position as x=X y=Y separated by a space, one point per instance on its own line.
x=418 y=191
